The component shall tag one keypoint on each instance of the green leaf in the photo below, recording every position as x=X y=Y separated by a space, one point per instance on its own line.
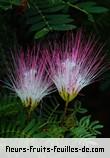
x=85 y=121
x=43 y=17
x=36 y=27
x=63 y=27
x=15 y=2
x=91 y=18
x=9 y=106
x=86 y=4
x=6 y=4
x=41 y=33
x=12 y=130
x=78 y=108
x=92 y=7
x=97 y=10
x=85 y=128
x=29 y=126
x=59 y=22
x=54 y=9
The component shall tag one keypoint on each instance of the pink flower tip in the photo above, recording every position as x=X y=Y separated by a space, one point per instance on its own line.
x=29 y=79
x=75 y=64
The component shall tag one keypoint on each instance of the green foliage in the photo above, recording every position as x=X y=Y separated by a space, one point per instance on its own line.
x=89 y=8
x=44 y=17
x=49 y=16
x=48 y=122
x=55 y=130
x=9 y=106
x=78 y=108
x=7 y=4
x=85 y=128
x=9 y=130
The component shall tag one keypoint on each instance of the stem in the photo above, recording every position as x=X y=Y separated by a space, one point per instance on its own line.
x=66 y=105
x=49 y=117
x=64 y=114
x=28 y=115
x=76 y=7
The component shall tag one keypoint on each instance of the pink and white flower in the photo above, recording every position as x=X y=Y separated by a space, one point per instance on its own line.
x=29 y=79
x=75 y=64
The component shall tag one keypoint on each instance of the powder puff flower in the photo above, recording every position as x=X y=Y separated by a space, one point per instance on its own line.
x=29 y=80
x=75 y=64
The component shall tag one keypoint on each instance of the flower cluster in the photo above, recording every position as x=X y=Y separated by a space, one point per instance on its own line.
x=71 y=66
x=29 y=80
x=75 y=64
